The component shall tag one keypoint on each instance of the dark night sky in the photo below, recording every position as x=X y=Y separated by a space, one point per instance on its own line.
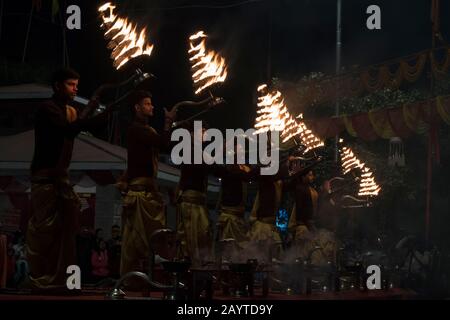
x=303 y=40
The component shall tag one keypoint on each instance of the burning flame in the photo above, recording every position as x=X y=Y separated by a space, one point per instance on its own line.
x=274 y=115
x=307 y=137
x=107 y=19
x=207 y=66
x=367 y=186
x=271 y=110
x=349 y=160
x=123 y=37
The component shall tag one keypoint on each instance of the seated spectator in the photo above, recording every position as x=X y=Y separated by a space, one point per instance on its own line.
x=18 y=242
x=10 y=267
x=114 y=249
x=99 y=261
x=85 y=244
x=22 y=270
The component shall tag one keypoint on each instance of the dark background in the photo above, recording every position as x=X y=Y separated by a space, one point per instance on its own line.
x=262 y=39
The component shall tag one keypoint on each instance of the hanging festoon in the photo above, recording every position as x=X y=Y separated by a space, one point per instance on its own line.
x=396 y=152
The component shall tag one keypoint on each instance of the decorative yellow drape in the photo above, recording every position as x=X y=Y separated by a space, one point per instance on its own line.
x=380 y=123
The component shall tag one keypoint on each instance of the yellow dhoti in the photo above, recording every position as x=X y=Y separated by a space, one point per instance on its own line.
x=143 y=214
x=193 y=229
x=320 y=246
x=265 y=238
x=264 y=230
x=264 y=234
x=51 y=234
x=232 y=224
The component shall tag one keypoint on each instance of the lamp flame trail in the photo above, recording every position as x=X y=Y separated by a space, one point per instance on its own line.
x=367 y=186
x=125 y=39
x=273 y=115
x=208 y=67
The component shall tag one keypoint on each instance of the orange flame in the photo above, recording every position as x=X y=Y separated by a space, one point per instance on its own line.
x=307 y=137
x=123 y=35
x=367 y=185
x=274 y=115
x=110 y=8
x=207 y=66
x=271 y=109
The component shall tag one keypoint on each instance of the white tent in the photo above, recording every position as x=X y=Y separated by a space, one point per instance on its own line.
x=28 y=91
x=25 y=91
x=90 y=154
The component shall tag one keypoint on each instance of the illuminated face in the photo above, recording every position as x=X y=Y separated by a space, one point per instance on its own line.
x=68 y=88
x=145 y=107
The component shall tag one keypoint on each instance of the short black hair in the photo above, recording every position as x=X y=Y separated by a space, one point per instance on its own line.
x=137 y=96
x=63 y=74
